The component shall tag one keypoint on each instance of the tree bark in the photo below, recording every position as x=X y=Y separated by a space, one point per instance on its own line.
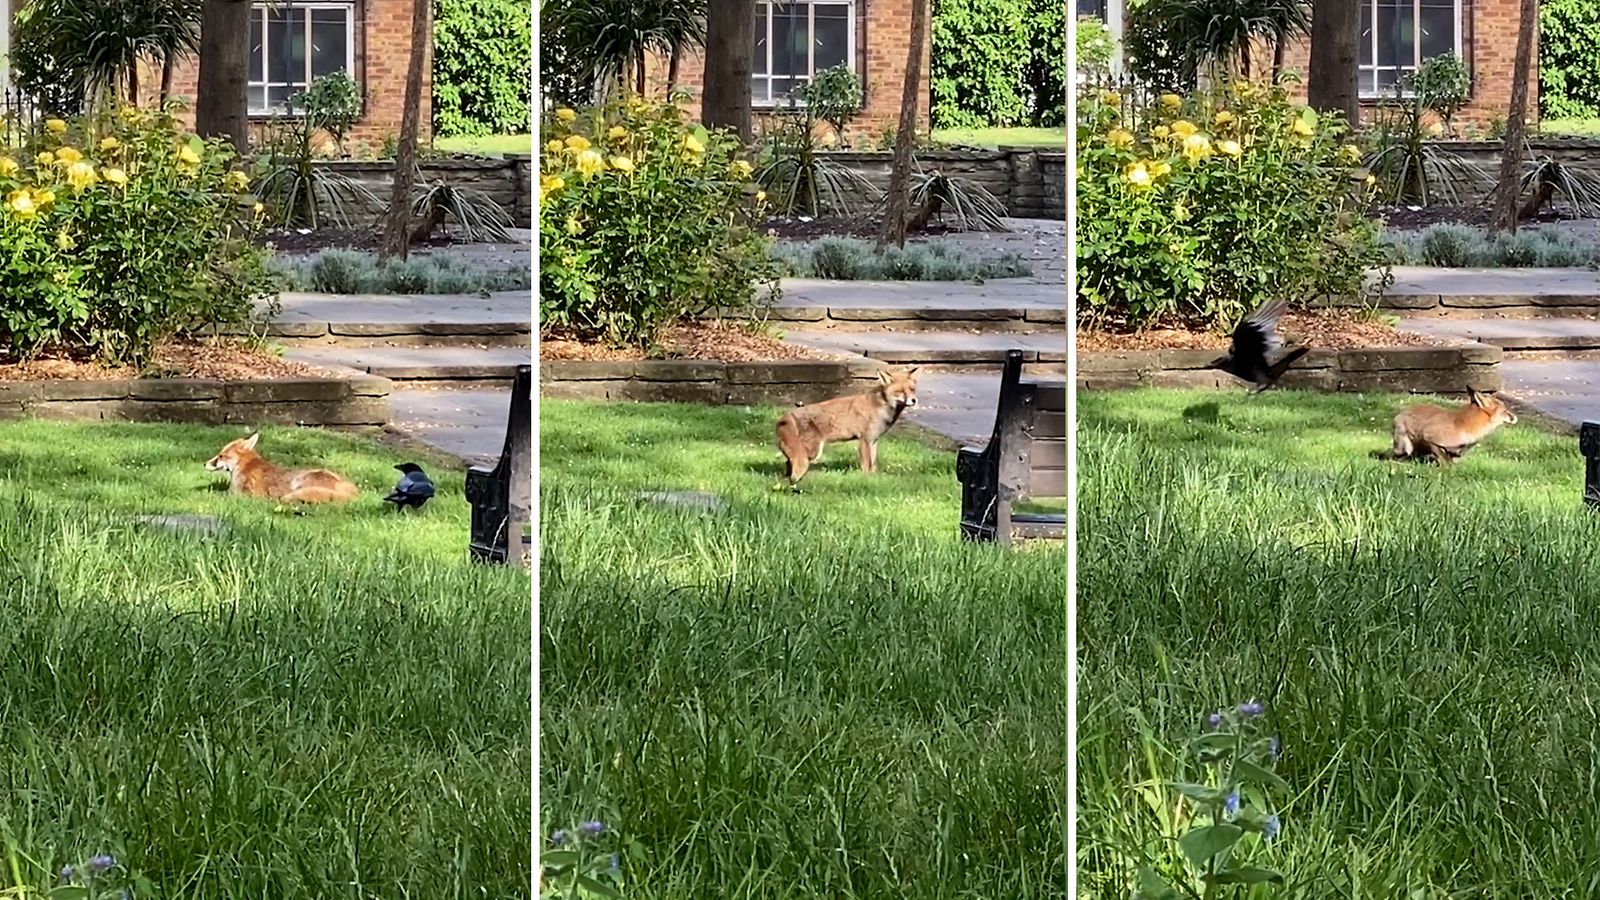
x=1509 y=190
x=1331 y=84
x=725 y=102
x=223 y=102
x=166 y=80
x=905 y=142
x=673 y=64
x=397 y=219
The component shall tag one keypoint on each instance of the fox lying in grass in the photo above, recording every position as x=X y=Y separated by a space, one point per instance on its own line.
x=1446 y=434
x=803 y=432
x=252 y=476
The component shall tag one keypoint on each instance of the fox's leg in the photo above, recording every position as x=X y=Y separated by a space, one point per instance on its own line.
x=1441 y=455
x=1402 y=444
x=872 y=451
x=864 y=447
x=793 y=447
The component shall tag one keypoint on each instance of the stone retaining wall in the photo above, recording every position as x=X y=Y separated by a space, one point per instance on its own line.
x=785 y=382
x=1418 y=370
x=1484 y=157
x=354 y=400
x=507 y=181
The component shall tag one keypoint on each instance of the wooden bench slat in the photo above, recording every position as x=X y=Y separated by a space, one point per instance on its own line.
x=1049 y=424
x=1048 y=483
x=1047 y=455
x=1051 y=396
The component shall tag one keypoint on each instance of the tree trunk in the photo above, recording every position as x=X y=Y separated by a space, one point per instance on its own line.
x=133 y=83
x=222 y=103
x=905 y=142
x=639 y=73
x=725 y=99
x=166 y=80
x=397 y=220
x=673 y=64
x=1509 y=190
x=1277 y=60
x=1331 y=84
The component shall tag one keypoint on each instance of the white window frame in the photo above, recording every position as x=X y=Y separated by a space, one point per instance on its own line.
x=1363 y=71
x=348 y=7
x=5 y=45
x=770 y=102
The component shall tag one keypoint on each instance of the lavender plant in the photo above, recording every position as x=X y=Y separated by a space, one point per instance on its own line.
x=582 y=862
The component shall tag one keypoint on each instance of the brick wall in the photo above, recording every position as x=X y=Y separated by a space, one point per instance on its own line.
x=1489 y=47
x=883 y=37
x=382 y=54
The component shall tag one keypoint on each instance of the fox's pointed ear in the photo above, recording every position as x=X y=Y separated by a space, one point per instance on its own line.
x=912 y=372
x=1475 y=398
x=884 y=376
x=250 y=442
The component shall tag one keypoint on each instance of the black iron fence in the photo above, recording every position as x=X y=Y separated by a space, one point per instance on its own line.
x=19 y=115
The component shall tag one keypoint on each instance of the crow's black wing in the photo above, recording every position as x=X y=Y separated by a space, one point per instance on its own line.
x=1256 y=337
x=415 y=484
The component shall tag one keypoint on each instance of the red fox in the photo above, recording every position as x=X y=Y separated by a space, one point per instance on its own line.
x=1445 y=434
x=252 y=476
x=803 y=432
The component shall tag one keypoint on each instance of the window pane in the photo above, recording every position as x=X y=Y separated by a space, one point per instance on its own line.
x=258 y=98
x=1438 y=29
x=329 y=52
x=278 y=97
x=758 y=90
x=1364 y=50
x=1387 y=79
x=790 y=42
x=1367 y=83
x=783 y=87
x=256 y=61
x=759 y=60
x=286 y=39
x=832 y=22
x=1395 y=34
x=1095 y=8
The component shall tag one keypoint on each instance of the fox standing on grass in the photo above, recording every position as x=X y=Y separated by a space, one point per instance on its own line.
x=1446 y=434
x=804 y=431
x=252 y=476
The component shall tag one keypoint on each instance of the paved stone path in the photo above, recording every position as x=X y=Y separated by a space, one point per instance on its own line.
x=505 y=307
x=469 y=424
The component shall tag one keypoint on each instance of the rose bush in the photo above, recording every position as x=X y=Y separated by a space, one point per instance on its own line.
x=1199 y=208
x=120 y=232
x=644 y=220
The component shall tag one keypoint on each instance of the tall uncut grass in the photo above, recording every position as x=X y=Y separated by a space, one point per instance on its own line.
x=328 y=705
x=1426 y=642
x=814 y=695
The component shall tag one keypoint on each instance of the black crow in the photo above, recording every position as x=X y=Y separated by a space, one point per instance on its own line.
x=1254 y=340
x=414 y=488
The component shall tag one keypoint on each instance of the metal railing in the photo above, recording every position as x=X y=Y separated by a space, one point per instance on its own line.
x=19 y=113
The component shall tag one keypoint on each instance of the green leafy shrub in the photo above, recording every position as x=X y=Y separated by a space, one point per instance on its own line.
x=644 y=221
x=1047 y=62
x=119 y=233
x=834 y=96
x=1443 y=84
x=980 y=63
x=333 y=102
x=355 y=272
x=1569 y=59
x=1453 y=245
x=481 y=59
x=852 y=259
x=1205 y=207
x=1095 y=47
x=297 y=193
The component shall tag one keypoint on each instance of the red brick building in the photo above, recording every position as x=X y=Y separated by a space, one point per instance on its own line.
x=1398 y=35
x=293 y=42
x=794 y=40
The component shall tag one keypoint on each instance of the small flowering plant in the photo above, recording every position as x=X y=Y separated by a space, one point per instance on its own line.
x=582 y=861
x=1238 y=757
x=1197 y=209
x=99 y=877
x=644 y=219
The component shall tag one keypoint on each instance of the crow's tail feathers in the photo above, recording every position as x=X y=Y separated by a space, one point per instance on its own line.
x=1276 y=370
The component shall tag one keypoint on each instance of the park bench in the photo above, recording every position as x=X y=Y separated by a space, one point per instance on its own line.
x=1026 y=458
x=502 y=497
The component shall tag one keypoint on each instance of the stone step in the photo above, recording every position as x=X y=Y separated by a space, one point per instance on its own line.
x=1013 y=304
x=1518 y=337
x=1043 y=352
x=353 y=320
x=458 y=366
x=1473 y=293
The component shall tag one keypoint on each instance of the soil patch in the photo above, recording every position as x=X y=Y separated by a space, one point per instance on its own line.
x=1405 y=218
x=722 y=341
x=1331 y=330
x=229 y=361
x=294 y=240
x=797 y=229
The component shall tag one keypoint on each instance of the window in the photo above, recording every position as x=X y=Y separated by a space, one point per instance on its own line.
x=797 y=40
x=1398 y=35
x=293 y=43
x=1092 y=9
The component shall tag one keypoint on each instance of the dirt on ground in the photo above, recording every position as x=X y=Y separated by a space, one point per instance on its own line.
x=792 y=228
x=723 y=341
x=226 y=360
x=297 y=240
x=1407 y=218
x=1332 y=330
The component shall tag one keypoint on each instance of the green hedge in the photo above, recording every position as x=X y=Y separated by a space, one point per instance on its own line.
x=482 y=63
x=1569 y=58
x=999 y=63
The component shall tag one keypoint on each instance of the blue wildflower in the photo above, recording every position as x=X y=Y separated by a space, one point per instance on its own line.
x=1250 y=710
x=1231 y=806
x=559 y=837
x=1274 y=748
x=1271 y=828
x=101 y=863
x=593 y=828
x=1215 y=720
x=68 y=873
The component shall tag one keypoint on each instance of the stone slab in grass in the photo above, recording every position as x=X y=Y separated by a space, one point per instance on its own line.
x=204 y=526
x=696 y=501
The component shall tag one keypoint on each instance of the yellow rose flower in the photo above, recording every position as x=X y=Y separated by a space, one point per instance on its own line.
x=761 y=196
x=1303 y=128
x=109 y=144
x=238 y=181
x=565 y=115
x=1223 y=118
x=617 y=133
x=1161 y=169
x=549 y=184
x=65 y=241
x=693 y=145
x=574 y=227
x=1196 y=147
x=114 y=176
x=8 y=166
x=1372 y=180
x=1171 y=101
x=187 y=156
x=591 y=163
x=622 y=164
x=23 y=205
x=258 y=209
x=1160 y=132
x=44 y=198
x=55 y=126
x=130 y=113
x=46 y=158
x=741 y=168
x=555 y=146
x=578 y=143
x=1138 y=175
x=1111 y=98
x=81 y=175
x=66 y=156
x=1183 y=128
x=1231 y=148
x=1116 y=137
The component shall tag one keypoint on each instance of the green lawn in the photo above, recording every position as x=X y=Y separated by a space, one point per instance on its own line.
x=1426 y=642
x=816 y=695
x=1048 y=138
x=485 y=145
x=1583 y=127
x=328 y=705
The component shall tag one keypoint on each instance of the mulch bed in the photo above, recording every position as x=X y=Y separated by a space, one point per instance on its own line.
x=722 y=341
x=294 y=240
x=1332 y=330
x=226 y=360
x=793 y=229
x=1407 y=219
